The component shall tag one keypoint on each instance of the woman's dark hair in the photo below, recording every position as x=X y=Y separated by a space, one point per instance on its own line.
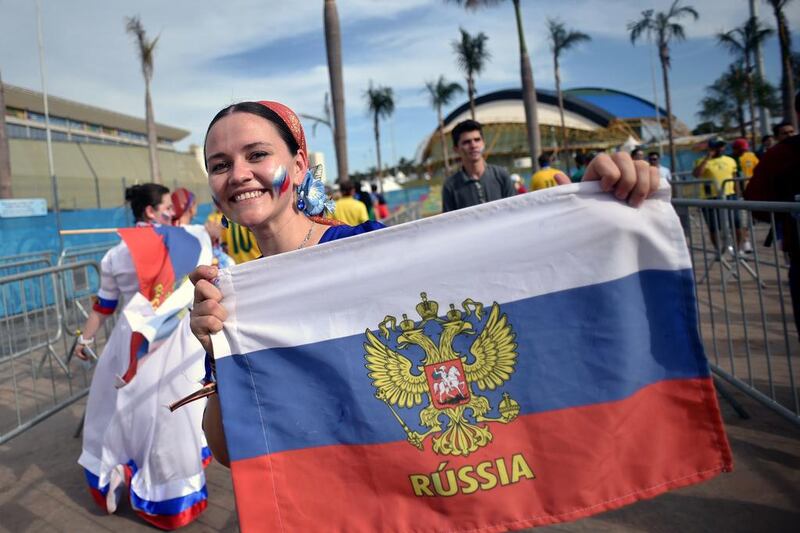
x=254 y=108
x=140 y=196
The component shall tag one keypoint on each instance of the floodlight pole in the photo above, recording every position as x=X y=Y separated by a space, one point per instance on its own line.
x=51 y=167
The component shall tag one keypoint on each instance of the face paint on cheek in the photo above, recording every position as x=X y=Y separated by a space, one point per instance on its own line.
x=280 y=181
x=165 y=218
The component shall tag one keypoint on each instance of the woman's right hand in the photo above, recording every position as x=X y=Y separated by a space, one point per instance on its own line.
x=78 y=352
x=207 y=314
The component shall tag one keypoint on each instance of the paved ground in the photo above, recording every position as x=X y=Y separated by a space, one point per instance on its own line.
x=43 y=489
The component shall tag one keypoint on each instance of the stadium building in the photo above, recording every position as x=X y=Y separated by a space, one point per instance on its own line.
x=595 y=119
x=96 y=152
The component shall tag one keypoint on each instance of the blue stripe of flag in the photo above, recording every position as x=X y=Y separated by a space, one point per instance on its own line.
x=576 y=347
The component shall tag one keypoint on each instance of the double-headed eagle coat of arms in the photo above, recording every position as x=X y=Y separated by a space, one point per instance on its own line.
x=456 y=416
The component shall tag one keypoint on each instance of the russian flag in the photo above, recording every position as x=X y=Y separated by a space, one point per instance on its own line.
x=523 y=362
x=163 y=257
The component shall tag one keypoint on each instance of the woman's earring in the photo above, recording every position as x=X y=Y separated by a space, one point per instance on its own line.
x=301 y=203
x=224 y=222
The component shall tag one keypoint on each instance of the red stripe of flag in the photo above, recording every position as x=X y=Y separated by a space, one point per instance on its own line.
x=556 y=466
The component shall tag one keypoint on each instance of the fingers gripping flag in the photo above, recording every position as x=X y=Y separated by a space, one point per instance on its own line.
x=523 y=362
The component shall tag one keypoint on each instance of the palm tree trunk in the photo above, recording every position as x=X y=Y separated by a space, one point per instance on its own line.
x=751 y=100
x=528 y=93
x=471 y=91
x=445 y=155
x=378 y=145
x=787 y=77
x=663 y=53
x=5 y=153
x=740 y=118
x=333 y=45
x=560 y=104
x=152 y=138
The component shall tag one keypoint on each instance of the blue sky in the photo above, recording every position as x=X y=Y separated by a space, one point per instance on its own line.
x=212 y=53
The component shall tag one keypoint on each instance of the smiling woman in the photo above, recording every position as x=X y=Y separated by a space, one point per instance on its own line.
x=257 y=162
x=256 y=156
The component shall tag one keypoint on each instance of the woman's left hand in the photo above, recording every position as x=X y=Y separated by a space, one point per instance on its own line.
x=627 y=179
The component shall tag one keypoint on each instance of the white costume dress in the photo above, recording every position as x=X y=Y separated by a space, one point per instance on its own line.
x=130 y=437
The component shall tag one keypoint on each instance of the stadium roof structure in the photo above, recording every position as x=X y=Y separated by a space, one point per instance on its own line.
x=28 y=100
x=96 y=152
x=504 y=106
x=620 y=104
x=595 y=118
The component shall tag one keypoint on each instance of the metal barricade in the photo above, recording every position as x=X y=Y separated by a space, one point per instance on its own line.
x=25 y=257
x=689 y=188
x=93 y=252
x=36 y=378
x=407 y=213
x=744 y=300
x=33 y=262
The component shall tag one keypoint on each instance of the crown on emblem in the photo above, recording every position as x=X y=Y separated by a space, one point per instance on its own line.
x=453 y=314
x=406 y=324
x=427 y=309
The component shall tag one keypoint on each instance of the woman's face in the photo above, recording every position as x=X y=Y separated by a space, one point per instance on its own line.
x=247 y=163
x=162 y=213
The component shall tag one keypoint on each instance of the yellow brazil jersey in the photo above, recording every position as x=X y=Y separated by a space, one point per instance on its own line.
x=240 y=242
x=350 y=211
x=544 y=179
x=717 y=169
x=748 y=162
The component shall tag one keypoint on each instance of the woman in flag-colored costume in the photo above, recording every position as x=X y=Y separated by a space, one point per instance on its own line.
x=184 y=206
x=130 y=439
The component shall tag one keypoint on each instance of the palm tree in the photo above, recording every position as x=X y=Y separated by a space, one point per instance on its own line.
x=665 y=28
x=787 y=72
x=5 y=153
x=726 y=98
x=146 y=47
x=442 y=93
x=526 y=74
x=380 y=102
x=561 y=40
x=333 y=45
x=742 y=43
x=471 y=56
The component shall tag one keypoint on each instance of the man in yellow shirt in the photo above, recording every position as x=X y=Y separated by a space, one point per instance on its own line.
x=547 y=176
x=747 y=160
x=349 y=210
x=719 y=170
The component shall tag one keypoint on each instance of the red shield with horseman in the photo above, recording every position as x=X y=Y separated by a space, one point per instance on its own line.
x=447 y=383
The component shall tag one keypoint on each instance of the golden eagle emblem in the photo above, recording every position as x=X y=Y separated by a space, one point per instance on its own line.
x=448 y=381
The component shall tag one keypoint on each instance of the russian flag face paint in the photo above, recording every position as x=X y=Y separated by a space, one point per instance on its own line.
x=280 y=180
